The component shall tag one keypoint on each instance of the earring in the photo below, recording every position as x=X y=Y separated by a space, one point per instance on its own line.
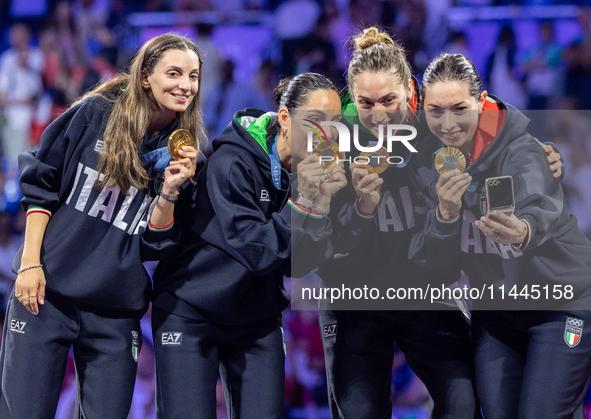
x=283 y=133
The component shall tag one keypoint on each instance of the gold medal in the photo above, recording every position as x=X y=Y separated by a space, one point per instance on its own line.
x=329 y=148
x=450 y=158
x=176 y=141
x=377 y=161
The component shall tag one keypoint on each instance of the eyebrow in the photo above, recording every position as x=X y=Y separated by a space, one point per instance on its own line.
x=318 y=111
x=383 y=97
x=174 y=67
x=455 y=104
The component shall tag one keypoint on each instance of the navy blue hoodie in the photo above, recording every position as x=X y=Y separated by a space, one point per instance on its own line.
x=93 y=250
x=237 y=247
x=558 y=253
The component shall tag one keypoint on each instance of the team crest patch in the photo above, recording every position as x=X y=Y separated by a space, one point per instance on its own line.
x=158 y=182
x=136 y=344
x=17 y=326
x=330 y=330
x=573 y=331
x=483 y=204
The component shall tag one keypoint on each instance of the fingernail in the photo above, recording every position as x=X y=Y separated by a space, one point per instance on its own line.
x=42 y=301
x=477 y=223
x=457 y=171
x=184 y=147
x=483 y=220
x=494 y=213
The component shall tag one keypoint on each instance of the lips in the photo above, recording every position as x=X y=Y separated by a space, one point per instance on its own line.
x=451 y=135
x=181 y=98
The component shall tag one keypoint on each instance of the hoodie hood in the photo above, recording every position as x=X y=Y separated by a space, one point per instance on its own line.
x=514 y=126
x=249 y=130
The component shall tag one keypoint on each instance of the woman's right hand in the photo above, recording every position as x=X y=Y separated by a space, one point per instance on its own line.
x=29 y=288
x=367 y=186
x=450 y=188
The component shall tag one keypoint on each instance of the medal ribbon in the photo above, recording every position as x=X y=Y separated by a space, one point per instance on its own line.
x=275 y=163
x=160 y=156
x=475 y=178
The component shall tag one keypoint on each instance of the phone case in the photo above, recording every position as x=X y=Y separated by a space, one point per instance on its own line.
x=506 y=205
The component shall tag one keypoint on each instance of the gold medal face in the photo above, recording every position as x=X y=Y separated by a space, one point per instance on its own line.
x=329 y=148
x=450 y=158
x=176 y=141
x=377 y=161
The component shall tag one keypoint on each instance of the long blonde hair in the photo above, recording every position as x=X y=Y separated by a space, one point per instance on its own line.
x=131 y=114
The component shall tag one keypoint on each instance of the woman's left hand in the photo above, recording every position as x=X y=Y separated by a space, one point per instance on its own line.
x=502 y=228
x=179 y=171
x=553 y=158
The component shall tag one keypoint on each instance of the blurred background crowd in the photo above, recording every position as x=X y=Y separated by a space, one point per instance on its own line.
x=535 y=54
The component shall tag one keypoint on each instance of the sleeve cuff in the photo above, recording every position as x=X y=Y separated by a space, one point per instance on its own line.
x=301 y=210
x=446 y=227
x=443 y=220
x=33 y=209
x=361 y=214
x=523 y=245
x=307 y=220
x=161 y=229
x=154 y=234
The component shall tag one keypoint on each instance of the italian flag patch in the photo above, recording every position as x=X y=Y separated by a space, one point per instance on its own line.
x=573 y=330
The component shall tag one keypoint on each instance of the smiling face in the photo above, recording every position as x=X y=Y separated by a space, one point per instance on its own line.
x=174 y=82
x=321 y=105
x=380 y=100
x=452 y=113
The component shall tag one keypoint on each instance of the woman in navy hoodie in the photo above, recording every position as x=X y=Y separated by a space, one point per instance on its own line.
x=89 y=190
x=218 y=303
x=529 y=364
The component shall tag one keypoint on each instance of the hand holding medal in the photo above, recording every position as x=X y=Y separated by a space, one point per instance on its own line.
x=450 y=163
x=377 y=161
x=176 y=141
x=183 y=164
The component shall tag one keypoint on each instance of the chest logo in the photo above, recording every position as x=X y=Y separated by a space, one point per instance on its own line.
x=264 y=196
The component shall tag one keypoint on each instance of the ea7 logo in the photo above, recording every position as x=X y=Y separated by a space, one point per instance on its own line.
x=264 y=196
x=330 y=330
x=98 y=146
x=17 y=326
x=172 y=338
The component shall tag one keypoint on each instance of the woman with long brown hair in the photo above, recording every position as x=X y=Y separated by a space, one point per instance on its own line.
x=100 y=171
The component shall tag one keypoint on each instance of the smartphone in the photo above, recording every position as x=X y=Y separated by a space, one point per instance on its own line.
x=499 y=194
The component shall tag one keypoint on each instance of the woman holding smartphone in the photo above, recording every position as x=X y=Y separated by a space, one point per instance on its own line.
x=532 y=359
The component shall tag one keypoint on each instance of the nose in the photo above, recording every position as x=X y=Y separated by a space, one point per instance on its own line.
x=334 y=133
x=184 y=83
x=379 y=116
x=448 y=121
